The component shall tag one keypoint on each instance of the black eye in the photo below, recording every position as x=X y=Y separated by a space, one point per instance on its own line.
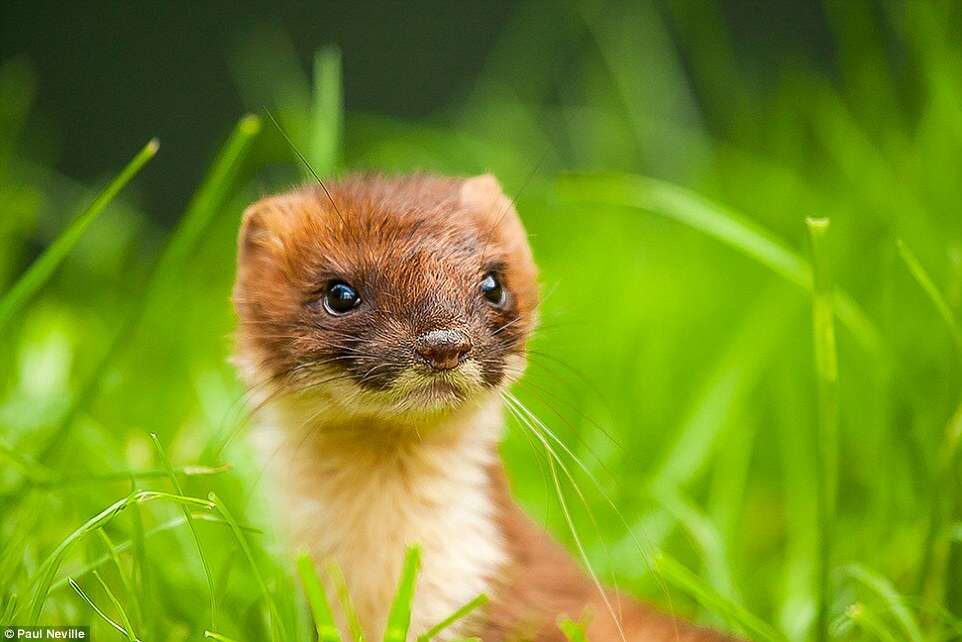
x=491 y=289
x=341 y=298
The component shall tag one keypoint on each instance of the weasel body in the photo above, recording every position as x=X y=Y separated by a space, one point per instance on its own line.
x=378 y=323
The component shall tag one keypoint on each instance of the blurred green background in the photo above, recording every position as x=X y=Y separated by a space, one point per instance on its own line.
x=664 y=156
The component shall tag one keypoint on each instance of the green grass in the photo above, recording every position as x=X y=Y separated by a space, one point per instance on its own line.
x=43 y=268
x=737 y=615
x=324 y=623
x=201 y=209
x=709 y=454
x=125 y=628
x=826 y=375
x=459 y=614
x=189 y=520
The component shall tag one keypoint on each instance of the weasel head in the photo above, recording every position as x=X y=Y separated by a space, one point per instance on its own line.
x=397 y=297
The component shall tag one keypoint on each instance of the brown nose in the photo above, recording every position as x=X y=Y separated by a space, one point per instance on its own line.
x=443 y=349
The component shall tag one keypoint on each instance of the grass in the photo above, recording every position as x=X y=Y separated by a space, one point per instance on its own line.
x=43 y=268
x=41 y=581
x=930 y=580
x=925 y=281
x=708 y=455
x=681 y=577
x=324 y=623
x=719 y=222
x=277 y=627
x=826 y=374
x=189 y=520
x=462 y=612
x=125 y=628
x=198 y=215
x=894 y=602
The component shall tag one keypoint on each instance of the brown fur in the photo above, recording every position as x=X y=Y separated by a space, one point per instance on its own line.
x=402 y=240
x=415 y=248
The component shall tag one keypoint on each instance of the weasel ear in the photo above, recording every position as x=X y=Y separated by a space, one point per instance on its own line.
x=483 y=194
x=264 y=225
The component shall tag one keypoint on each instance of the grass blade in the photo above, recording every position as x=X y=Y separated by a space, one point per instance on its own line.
x=866 y=620
x=136 y=543
x=121 y=547
x=344 y=598
x=327 y=630
x=277 y=625
x=217 y=636
x=925 y=281
x=677 y=574
x=128 y=629
x=723 y=224
x=884 y=589
x=943 y=492
x=706 y=536
x=573 y=631
x=462 y=612
x=172 y=474
x=43 y=268
x=43 y=578
x=798 y=597
x=696 y=212
x=124 y=578
x=86 y=598
x=729 y=478
x=943 y=497
x=201 y=210
x=211 y=195
x=826 y=370
x=54 y=481
x=19 y=530
x=716 y=405
x=8 y=608
x=326 y=112
x=727 y=384
x=399 y=619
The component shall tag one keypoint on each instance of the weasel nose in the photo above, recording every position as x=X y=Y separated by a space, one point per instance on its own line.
x=443 y=349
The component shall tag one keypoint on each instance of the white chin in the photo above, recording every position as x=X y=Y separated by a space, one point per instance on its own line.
x=415 y=394
x=436 y=396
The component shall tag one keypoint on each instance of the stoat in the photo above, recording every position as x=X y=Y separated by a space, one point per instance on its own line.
x=379 y=319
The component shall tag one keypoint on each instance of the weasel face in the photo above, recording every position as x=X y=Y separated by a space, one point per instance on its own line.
x=403 y=296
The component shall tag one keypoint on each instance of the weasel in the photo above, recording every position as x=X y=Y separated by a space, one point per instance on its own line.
x=379 y=319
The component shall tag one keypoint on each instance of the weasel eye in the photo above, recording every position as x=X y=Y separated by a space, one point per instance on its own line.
x=340 y=299
x=491 y=289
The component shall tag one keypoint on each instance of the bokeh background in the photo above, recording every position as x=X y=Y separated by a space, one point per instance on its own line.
x=664 y=156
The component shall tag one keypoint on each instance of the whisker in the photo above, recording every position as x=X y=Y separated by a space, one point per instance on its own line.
x=509 y=205
x=500 y=329
x=307 y=164
x=545 y=395
x=516 y=407
x=511 y=399
x=595 y=389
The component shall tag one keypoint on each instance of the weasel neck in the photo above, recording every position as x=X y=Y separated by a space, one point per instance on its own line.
x=360 y=492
